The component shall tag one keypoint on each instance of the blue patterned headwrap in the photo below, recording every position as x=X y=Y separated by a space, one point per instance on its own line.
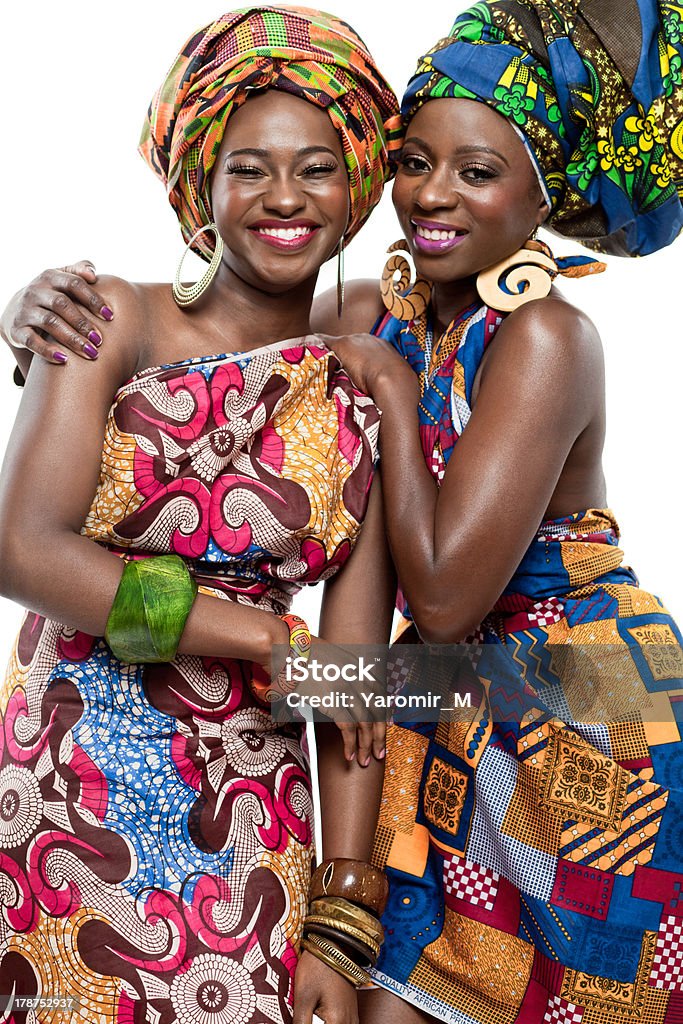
x=594 y=88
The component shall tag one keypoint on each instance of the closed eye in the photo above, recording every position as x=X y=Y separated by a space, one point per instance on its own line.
x=246 y=169
x=319 y=169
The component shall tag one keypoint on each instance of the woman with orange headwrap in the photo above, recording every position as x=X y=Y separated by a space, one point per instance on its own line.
x=155 y=823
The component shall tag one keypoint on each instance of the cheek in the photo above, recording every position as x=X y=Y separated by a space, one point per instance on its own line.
x=401 y=194
x=507 y=210
x=229 y=202
x=336 y=202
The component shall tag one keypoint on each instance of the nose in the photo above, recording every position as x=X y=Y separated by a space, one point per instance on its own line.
x=437 y=191
x=285 y=196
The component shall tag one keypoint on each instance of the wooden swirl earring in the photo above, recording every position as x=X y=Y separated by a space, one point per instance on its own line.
x=527 y=274
x=402 y=301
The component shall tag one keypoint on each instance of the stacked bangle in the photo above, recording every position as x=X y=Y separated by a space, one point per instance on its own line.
x=336 y=959
x=152 y=603
x=352 y=880
x=342 y=927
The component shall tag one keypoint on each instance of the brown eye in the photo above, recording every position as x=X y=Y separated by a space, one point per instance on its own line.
x=413 y=162
x=478 y=172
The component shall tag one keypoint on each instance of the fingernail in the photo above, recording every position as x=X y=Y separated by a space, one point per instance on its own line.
x=90 y=267
x=95 y=338
x=59 y=357
x=91 y=351
x=107 y=313
x=382 y=753
x=352 y=757
x=364 y=764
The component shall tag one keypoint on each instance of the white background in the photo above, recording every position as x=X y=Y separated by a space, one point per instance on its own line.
x=77 y=78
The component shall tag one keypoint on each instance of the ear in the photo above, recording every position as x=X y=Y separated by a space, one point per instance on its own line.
x=543 y=212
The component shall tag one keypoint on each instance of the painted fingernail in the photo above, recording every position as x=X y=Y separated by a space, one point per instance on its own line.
x=91 y=351
x=382 y=753
x=364 y=764
x=107 y=313
x=352 y=757
x=95 y=338
x=59 y=357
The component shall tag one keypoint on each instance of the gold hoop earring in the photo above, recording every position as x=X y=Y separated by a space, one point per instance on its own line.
x=402 y=301
x=186 y=296
x=340 y=278
x=527 y=274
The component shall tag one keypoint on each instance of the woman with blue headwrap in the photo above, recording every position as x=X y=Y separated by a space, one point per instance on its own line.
x=535 y=853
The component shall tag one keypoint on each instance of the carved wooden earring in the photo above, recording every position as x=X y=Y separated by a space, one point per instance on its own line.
x=402 y=301
x=527 y=274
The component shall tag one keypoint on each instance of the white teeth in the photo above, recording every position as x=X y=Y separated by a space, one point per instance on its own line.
x=288 y=234
x=436 y=235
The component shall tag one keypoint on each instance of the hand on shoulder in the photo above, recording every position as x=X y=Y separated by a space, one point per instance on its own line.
x=58 y=312
x=374 y=366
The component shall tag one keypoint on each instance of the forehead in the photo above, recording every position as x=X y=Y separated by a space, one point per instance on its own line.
x=276 y=120
x=446 y=124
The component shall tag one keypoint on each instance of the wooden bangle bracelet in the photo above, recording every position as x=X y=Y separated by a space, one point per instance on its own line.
x=353 y=880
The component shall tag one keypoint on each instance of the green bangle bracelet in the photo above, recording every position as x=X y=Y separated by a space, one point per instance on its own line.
x=150 y=609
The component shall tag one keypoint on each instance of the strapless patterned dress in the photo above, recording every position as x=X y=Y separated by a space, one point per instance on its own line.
x=535 y=853
x=155 y=824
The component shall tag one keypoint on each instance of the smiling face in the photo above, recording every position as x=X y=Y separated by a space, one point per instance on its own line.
x=279 y=191
x=466 y=193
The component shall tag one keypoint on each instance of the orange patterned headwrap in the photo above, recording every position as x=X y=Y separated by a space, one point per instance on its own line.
x=304 y=52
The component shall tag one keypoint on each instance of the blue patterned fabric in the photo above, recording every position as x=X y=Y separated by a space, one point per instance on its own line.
x=535 y=850
x=595 y=92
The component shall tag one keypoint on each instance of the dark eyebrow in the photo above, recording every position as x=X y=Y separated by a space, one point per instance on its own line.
x=317 y=149
x=460 y=149
x=265 y=153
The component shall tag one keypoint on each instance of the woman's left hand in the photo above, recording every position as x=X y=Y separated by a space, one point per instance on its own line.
x=372 y=363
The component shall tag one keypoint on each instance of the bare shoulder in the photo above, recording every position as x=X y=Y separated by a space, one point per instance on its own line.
x=136 y=307
x=552 y=329
x=552 y=352
x=362 y=306
x=130 y=301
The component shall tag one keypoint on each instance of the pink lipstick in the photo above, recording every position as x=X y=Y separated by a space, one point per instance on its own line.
x=434 y=237
x=287 y=235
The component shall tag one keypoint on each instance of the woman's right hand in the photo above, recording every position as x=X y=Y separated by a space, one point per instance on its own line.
x=58 y=312
x=363 y=733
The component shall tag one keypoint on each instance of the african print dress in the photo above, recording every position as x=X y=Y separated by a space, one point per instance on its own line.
x=536 y=870
x=155 y=825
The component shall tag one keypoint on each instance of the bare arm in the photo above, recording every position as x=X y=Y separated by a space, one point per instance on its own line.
x=48 y=480
x=457 y=547
x=357 y=608
x=540 y=403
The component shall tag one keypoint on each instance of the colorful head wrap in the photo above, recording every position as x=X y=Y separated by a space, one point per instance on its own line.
x=304 y=52
x=594 y=89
